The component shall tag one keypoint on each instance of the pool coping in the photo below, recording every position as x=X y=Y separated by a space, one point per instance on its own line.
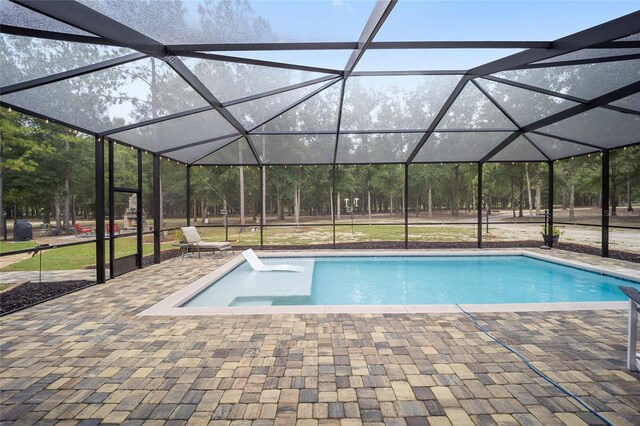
x=170 y=306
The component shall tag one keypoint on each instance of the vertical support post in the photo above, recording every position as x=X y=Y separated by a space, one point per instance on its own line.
x=406 y=206
x=156 y=208
x=112 y=203
x=99 y=183
x=336 y=205
x=188 y=194
x=139 y=217
x=262 y=205
x=633 y=363
x=550 y=204
x=605 y=203
x=479 y=205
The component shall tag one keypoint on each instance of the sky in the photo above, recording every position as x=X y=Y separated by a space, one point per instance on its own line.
x=343 y=20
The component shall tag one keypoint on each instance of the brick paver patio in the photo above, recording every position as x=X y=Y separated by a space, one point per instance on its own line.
x=86 y=358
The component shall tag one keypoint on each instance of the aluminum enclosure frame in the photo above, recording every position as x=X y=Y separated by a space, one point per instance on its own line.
x=108 y=32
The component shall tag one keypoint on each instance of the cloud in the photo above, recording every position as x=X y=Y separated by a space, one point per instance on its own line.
x=342 y=3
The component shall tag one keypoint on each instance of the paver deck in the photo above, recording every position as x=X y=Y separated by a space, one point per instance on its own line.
x=87 y=358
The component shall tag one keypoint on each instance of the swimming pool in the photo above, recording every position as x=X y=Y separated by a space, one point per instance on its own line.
x=410 y=280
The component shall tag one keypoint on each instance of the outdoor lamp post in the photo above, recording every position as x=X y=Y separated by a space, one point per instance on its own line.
x=351 y=209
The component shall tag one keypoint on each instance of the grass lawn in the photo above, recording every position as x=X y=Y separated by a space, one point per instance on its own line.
x=303 y=235
x=78 y=257
x=8 y=246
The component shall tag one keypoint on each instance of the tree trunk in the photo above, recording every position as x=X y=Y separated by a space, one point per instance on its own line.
x=430 y=200
x=520 y=197
x=613 y=195
x=629 y=205
x=456 y=190
x=73 y=210
x=538 y=196
x=526 y=169
x=67 y=192
x=296 y=202
x=57 y=207
x=242 y=218
x=47 y=208
x=390 y=205
x=572 y=196
x=369 y=204
x=513 y=204
x=338 y=206
x=279 y=206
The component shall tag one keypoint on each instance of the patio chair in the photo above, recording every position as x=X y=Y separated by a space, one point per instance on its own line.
x=116 y=230
x=257 y=264
x=633 y=357
x=192 y=239
x=84 y=232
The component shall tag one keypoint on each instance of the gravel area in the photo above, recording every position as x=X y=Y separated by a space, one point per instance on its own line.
x=30 y=293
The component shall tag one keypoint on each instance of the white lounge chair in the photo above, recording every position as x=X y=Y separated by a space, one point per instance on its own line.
x=192 y=238
x=257 y=264
x=633 y=357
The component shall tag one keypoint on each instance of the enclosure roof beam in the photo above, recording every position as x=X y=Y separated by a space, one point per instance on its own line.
x=611 y=30
x=585 y=61
x=556 y=94
x=405 y=73
x=157 y=120
x=607 y=98
x=278 y=90
x=436 y=120
x=379 y=14
x=215 y=150
x=44 y=117
x=87 y=19
x=83 y=17
x=202 y=142
x=562 y=138
x=507 y=114
x=338 y=125
x=536 y=89
x=378 y=131
x=178 y=49
x=296 y=103
x=179 y=67
x=259 y=62
x=209 y=107
x=77 y=72
x=52 y=35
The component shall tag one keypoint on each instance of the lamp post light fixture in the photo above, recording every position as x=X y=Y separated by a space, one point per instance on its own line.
x=351 y=209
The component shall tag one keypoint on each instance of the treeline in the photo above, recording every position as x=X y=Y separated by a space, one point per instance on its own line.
x=47 y=173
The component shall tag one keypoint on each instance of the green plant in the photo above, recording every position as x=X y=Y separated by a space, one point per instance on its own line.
x=555 y=231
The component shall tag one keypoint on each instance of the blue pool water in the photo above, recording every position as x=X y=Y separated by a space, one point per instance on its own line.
x=411 y=280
